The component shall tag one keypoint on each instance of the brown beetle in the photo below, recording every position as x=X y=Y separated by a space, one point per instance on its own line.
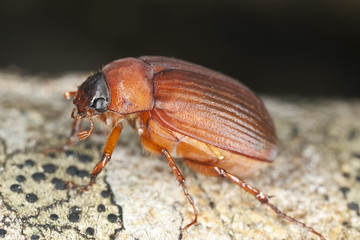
x=218 y=126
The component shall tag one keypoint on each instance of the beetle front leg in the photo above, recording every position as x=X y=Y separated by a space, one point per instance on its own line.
x=74 y=131
x=108 y=150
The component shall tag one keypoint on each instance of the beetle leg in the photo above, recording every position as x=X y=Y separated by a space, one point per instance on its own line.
x=182 y=182
x=260 y=196
x=69 y=95
x=108 y=150
x=155 y=148
x=74 y=131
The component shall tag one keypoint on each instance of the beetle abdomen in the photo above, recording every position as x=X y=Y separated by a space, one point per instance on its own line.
x=222 y=113
x=195 y=153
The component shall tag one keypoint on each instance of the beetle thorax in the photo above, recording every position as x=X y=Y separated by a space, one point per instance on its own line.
x=130 y=84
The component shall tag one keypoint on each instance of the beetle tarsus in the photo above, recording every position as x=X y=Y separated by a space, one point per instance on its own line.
x=279 y=212
x=263 y=198
x=50 y=150
x=79 y=188
x=74 y=132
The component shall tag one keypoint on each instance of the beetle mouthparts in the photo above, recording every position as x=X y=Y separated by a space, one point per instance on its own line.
x=86 y=114
x=78 y=116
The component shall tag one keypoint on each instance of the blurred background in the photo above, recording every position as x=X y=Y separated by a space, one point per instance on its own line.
x=276 y=47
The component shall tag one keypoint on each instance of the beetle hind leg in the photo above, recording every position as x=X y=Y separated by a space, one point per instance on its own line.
x=260 y=196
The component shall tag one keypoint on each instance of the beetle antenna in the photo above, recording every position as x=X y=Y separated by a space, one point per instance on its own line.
x=84 y=134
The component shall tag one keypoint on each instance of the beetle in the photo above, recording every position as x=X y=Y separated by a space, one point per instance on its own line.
x=214 y=123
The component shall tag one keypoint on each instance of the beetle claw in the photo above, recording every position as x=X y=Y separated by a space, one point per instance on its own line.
x=78 y=188
x=50 y=150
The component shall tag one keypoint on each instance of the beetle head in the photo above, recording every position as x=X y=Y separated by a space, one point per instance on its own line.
x=92 y=97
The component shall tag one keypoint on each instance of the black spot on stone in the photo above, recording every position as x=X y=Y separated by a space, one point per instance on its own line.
x=83 y=173
x=352 y=135
x=59 y=184
x=358 y=178
x=326 y=197
x=31 y=197
x=72 y=170
x=346 y=174
x=2 y=232
x=90 y=231
x=112 y=217
x=74 y=217
x=345 y=223
x=294 y=132
x=356 y=155
x=344 y=191
x=112 y=237
x=16 y=188
x=29 y=163
x=88 y=145
x=35 y=237
x=353 y=206
x=21 y=166
x=105 y=193
x=84 y=158
x=54 y=217
x=70 y=153
x=51 y=155
x=101 y=208
x=20 y=178
x=75 y=209
x=38 y=176
x=49 y=168
x=212 y=204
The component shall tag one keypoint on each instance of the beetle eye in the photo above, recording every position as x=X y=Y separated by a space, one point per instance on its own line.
x=100 y=105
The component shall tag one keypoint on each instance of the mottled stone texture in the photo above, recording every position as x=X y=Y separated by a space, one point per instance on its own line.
x=315 y=178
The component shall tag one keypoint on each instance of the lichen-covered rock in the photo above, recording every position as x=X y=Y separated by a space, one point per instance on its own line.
x=315 y=178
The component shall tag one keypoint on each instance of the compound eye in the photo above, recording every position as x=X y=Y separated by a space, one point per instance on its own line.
x=100 y=104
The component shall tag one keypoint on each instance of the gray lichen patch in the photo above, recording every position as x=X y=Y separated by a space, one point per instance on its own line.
x=33 y=192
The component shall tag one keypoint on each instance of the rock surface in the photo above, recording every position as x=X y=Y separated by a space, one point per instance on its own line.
x=315 y=178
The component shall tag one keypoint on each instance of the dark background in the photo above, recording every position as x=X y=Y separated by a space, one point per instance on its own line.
x=275 y=47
